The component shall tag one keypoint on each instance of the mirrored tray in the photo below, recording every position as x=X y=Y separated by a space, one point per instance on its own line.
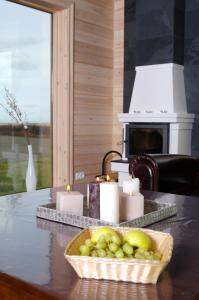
x=154 y=211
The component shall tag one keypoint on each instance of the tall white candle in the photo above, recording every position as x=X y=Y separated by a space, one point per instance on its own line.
x=109 y=202
x=131 y=185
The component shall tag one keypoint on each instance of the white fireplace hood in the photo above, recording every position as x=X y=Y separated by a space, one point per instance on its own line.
x=159 y=97
x=158 y=92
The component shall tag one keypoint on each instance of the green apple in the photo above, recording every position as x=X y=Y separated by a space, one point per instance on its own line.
x=138 y=238
x=103 y=231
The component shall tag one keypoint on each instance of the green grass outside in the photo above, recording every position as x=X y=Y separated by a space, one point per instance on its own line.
x=13 y=175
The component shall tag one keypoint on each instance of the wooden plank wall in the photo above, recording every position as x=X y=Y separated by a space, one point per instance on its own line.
x=93 y=81
x=118 y=70
x=97 y=82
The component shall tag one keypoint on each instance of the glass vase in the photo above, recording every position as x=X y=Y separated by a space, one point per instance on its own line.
x=31 y=180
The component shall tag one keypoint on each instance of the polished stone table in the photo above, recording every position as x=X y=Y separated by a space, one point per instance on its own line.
x=32 y=263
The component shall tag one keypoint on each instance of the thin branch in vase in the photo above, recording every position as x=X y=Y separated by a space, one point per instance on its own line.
x=12 y=109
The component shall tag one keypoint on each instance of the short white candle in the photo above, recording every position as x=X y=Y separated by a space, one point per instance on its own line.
x=131 y=185
x=131 y=206
x=71 y=202
x=109 y=202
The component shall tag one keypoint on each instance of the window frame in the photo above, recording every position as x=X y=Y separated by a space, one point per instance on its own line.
x=62 y=85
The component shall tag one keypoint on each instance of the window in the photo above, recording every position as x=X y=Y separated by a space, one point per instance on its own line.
x=25 y=75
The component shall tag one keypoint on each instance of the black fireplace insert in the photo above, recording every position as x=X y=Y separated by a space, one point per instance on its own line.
x=147 y=138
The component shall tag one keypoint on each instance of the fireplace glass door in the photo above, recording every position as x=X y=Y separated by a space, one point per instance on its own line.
x=146 y=138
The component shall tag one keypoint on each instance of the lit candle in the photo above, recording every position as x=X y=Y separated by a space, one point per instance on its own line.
x=68 y=188
x=109 y=201
x=108 y=178
x=70 y=201
x=131 y=206
x=131 y=185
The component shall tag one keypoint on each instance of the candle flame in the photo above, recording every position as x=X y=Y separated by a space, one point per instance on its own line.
x=68 y=188
x=97 y=179
x=107 y=178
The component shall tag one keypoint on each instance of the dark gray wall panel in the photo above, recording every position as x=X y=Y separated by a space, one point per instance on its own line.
x=163 y=31
x=129 y=51
x=154 y=34
x=191 y=66
x=154 y=51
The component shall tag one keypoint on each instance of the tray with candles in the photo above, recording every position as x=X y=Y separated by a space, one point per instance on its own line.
x=113 y=207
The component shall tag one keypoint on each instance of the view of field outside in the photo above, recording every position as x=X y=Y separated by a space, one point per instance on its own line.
x=25 y=70
x=14 y=158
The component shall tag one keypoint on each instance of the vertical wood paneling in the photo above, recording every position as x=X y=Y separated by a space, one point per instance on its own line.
x=93 y=85
x=62 y=97
x=118 y=72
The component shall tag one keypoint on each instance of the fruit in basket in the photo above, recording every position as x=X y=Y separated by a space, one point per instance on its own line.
x=138 y=238
x=106 y=232
x=150 y=255
x=136 y=244
x=116 y=239
x=128 y=249
x=84 y=250
x=101 y=245
x=119 y=253
x=113 y=247
x=110 y=254
x=89 y=243
x=102 y=253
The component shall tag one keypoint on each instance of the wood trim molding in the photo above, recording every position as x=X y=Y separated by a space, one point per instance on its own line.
x=71 y=94
x=46 y=5
x=63 y=96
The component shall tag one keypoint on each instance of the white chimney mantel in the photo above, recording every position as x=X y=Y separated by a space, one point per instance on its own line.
x=159 y=97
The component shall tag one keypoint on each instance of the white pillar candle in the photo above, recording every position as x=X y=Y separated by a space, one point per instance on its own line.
x=109 y=202
x=131 y=185
x=131 y=206
x=71 y=202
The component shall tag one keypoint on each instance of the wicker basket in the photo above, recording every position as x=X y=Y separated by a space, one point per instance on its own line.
x=134 y=270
